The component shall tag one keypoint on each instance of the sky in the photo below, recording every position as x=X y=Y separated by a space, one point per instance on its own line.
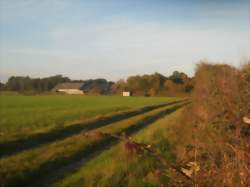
x=114 y=39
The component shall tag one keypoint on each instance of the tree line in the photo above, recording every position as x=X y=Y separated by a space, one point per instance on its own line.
x=24 y=84
x=155 y=84
x=177 y=84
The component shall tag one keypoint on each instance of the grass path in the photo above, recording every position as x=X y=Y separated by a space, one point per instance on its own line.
x=33 y=164
x=113 y=167
x=32 y=140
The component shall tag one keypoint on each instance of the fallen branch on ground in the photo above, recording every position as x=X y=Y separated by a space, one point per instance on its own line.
x=136 y=147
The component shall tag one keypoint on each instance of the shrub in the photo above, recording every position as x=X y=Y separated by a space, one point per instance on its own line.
x=220 y=101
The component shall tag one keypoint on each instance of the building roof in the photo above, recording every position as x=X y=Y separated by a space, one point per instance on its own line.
x=69 y=85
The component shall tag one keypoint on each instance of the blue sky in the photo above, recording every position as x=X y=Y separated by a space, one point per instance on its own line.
x=116 y=38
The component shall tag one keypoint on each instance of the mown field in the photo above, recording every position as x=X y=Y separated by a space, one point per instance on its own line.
x=49 y=140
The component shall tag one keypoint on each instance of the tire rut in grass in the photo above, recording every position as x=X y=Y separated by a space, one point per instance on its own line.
x=73 y=164
x=13 y=147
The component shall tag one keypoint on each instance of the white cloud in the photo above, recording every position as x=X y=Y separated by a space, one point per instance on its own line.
x=116 y=50
x=145 y=44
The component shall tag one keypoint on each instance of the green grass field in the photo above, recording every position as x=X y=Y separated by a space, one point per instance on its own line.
x=43 y=137
x=27 y=113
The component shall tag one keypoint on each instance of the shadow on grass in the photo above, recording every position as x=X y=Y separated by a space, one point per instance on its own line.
x=52 y=171
x=13 y=147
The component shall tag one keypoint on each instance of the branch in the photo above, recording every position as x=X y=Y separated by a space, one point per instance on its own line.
x=152 y=152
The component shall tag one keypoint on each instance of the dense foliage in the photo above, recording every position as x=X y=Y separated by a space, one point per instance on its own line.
x=97 y=86
x=22 y=84
x=178 y=84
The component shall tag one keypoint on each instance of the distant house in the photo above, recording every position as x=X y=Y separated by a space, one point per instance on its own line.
x=70 y=88
x=126 y=94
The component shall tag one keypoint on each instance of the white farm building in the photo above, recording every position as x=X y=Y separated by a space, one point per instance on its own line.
x=70 y=88
x=126 y=94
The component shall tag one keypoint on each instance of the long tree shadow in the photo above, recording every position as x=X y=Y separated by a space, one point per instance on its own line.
x=13 y=147
x=52 y=171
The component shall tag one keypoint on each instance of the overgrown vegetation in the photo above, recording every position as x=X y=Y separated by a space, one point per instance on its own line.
x=220 y=136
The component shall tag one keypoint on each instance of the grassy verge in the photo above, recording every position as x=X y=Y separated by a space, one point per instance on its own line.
x=116 y=168
x=32 y=164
